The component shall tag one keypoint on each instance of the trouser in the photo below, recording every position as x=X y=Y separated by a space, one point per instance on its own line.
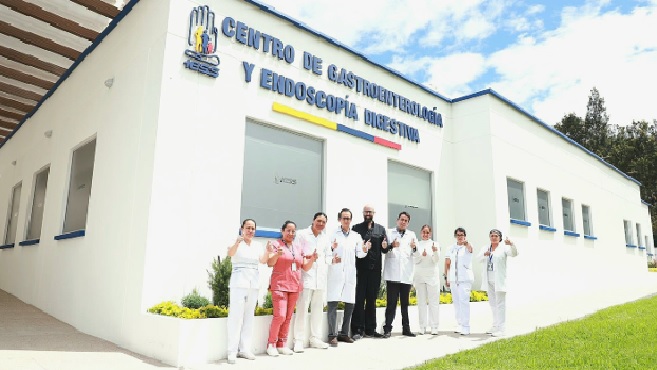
x=313 y=298
x=461 y=301
x=368 y=283
x=397 y=291
x=283 y=303
x=240 y=319
x=428 y=299
x=497 y=301
x=333 y=318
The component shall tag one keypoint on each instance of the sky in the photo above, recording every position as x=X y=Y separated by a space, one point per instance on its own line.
x=544 y=56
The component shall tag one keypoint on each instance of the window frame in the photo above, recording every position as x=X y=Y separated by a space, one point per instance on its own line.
x=67 y=198
x=550 y=222
x=587 y=216
x=523 y=220
x=573 y=225
x=30 y=214
x=12 y=221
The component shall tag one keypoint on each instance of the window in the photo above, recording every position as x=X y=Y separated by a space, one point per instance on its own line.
x=543 y=199
x=38 y=199
x=628 y=232
x=568 y=217
x=79 y=190
x=586 y=220
x=417 y=202
x=638 y=234
x=12 y=217
x=283 y=176
x=516 y=193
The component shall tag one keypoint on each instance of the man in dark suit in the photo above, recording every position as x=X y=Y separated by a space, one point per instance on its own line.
x=368 y=276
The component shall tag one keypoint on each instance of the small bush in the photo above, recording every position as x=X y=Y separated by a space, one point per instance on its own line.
x=652 y=264
x=268 y=302
x=172 y=309
x=218 y=281
x=194 y=300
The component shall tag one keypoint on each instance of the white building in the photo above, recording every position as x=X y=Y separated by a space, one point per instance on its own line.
x=125 y=183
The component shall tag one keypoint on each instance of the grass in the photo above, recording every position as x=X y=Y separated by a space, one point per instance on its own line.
x=619 y=337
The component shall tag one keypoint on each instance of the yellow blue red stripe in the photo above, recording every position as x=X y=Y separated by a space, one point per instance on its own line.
x=284 y=109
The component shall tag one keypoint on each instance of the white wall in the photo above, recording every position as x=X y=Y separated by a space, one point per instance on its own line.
x=92 y=282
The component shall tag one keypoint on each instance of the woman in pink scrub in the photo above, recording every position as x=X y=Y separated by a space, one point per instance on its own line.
x=286 y=284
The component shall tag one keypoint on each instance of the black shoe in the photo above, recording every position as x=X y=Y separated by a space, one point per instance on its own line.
x=385 y=335
x=408 y=333
x=345 y=338
x=373 y=335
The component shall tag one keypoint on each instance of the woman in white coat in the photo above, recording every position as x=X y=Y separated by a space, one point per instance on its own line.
x=346 y=246
x=245 y=254
x=493 y=281
x=427 y=280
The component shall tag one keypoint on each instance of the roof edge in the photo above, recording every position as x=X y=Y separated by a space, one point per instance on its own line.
x=515 y=106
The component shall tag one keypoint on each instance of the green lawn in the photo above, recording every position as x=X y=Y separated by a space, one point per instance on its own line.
x=619 y=337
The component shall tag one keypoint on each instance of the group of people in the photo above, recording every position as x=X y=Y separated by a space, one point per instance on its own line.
x=312 y=266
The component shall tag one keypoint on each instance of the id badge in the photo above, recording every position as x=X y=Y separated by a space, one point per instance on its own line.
x=490 y=265
x=294 y=266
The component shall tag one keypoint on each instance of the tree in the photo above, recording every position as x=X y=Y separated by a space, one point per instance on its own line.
x=596 y=124
x=572 y=126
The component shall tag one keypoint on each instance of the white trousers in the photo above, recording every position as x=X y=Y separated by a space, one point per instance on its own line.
x=461 y=301
x=240 y=319
x=431 y=294
x=313 y=298
x=497 y=301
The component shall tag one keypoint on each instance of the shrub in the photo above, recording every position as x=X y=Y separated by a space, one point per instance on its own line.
x=652 y=264
x=478 y=296
x=218 y=281
x=173 y=310
x=194 y=300
x=268 y=303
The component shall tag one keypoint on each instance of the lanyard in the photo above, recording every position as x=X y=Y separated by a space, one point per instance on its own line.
x=291 y=248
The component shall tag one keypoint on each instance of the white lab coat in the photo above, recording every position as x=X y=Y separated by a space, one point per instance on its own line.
x=499 y=265
x=399 y=266
x=461 y=259
x=341 y=285
x=315 y=278
x=427 y=268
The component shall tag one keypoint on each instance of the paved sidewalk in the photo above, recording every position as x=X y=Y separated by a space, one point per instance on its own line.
x=32 y=340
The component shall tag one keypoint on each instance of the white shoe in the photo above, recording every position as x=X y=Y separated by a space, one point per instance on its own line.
x=232 y=358
x=298 y=346
x=421 y=331
x=316 y=343
x=285 y=351
x=498 y=334
x=434 y=331
x=271 y=350
x=465 y=331
x=246 y=355
x=492 y=330
x=458 y=329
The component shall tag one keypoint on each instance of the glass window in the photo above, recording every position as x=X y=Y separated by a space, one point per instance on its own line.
x=628 y=232
x=543 y=199
x=417 y=202
x=638 y=234
x=12 y=217
x=568 y=217
x=586 y=220
x=283 y=176
x=79 y=190
x=516 y=193
x=38 y=199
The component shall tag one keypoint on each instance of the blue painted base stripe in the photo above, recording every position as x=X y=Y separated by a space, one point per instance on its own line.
x=71 y=235
x=520 y=222
x=7 y=246
x=268 y=234
x=29 y=242
x=590 y=237
x=547 y=228
x=571 y=233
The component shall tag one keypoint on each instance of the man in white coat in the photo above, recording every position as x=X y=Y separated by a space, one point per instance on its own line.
x=314 y=285
x=458 y=269
x=398 y=273
x=347 y=245
x=493 y=281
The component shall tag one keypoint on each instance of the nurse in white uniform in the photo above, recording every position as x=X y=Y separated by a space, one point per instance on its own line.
x=427 y=280
x=493 y=281
x=458 y=268
x=245 y=255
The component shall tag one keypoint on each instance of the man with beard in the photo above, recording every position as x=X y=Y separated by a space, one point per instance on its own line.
x=368 y=276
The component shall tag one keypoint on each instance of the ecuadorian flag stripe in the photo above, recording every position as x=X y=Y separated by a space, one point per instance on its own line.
x=284 y=109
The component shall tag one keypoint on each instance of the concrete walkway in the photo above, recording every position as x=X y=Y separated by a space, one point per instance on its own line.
x=32 y=340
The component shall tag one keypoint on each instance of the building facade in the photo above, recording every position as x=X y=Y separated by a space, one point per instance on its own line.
x=187 y=118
